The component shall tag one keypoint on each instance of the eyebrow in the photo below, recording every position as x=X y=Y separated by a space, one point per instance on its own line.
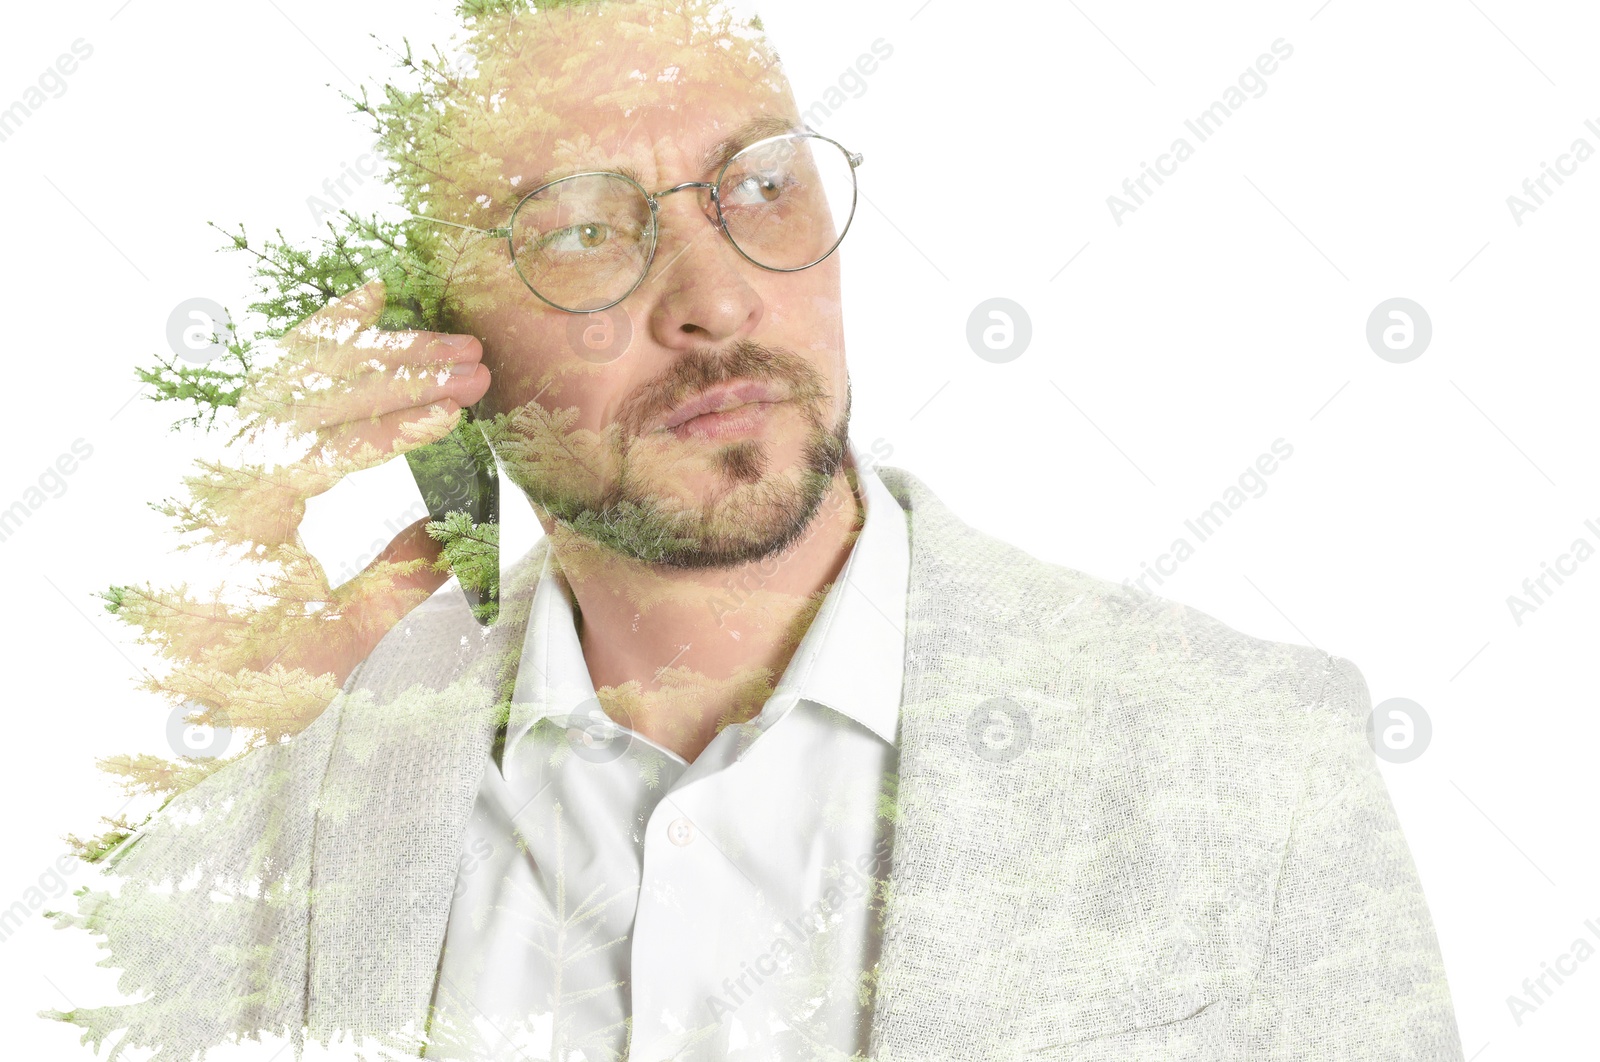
x=758 y=128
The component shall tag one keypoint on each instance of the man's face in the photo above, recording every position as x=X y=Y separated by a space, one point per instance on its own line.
x=591 y=407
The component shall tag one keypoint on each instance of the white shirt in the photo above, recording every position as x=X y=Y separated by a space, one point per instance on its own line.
x=723 y=905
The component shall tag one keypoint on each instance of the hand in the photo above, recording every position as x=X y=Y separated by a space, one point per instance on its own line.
x=364 y=396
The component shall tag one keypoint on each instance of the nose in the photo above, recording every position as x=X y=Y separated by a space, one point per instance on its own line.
x=698 y=286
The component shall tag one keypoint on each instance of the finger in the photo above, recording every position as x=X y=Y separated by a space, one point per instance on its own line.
x=376 y=395
x=349 y=354
x=347 y=382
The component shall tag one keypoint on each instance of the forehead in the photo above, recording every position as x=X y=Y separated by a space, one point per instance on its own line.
x=621 y=88
x=653 y=145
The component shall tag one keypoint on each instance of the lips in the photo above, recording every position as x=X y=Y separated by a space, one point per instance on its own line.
x=721 y=398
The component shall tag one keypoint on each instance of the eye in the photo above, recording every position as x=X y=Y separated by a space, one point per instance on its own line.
x=585 y=236
x=757 y=189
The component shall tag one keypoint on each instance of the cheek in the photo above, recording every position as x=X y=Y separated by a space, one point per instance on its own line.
x=532 y=358
x=806 y=315
x=515 y=349
x=812 y=292
x=522 y=339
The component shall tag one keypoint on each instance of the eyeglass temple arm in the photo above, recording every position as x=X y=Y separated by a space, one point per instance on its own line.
x=469 y=228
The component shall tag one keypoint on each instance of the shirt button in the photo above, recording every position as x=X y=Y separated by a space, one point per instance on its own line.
x=680 y=832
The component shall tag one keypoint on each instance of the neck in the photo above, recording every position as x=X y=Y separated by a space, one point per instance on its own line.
x=676 y=654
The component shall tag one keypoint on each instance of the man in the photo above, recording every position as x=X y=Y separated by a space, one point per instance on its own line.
x=767 y=754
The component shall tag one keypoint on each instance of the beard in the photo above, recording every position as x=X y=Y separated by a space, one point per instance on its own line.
x=645 y=511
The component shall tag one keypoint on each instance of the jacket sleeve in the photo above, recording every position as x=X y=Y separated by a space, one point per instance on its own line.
x=1352 y=967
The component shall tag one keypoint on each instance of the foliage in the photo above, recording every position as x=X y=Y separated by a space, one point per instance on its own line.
x=241 y=655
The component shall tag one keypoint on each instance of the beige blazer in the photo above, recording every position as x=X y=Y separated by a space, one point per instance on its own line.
x=1179 y=846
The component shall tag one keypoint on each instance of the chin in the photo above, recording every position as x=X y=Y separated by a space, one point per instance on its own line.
x=747 y=521
x=746 y=501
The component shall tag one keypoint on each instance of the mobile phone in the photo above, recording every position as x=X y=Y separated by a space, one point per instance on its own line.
x=458 y=474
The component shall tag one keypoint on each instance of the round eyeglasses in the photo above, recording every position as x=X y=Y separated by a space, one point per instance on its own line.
x=585 y=242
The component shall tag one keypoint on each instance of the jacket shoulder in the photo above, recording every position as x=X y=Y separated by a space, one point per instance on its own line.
x=979 y=592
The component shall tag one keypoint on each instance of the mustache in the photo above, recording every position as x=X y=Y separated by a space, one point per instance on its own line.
x=703 y=367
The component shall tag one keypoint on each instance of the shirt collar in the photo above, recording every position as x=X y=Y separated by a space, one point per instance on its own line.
x=552 y=677
x=851 y=658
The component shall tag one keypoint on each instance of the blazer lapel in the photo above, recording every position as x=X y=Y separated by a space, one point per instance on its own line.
x=992 y=731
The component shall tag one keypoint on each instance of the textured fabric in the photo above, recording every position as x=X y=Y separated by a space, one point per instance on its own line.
x=1123 y=830
x=724 y=902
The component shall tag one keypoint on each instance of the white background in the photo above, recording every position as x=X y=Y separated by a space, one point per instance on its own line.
x=1226 y=312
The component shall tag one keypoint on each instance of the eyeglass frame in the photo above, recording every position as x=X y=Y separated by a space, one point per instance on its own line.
x=855 y=159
